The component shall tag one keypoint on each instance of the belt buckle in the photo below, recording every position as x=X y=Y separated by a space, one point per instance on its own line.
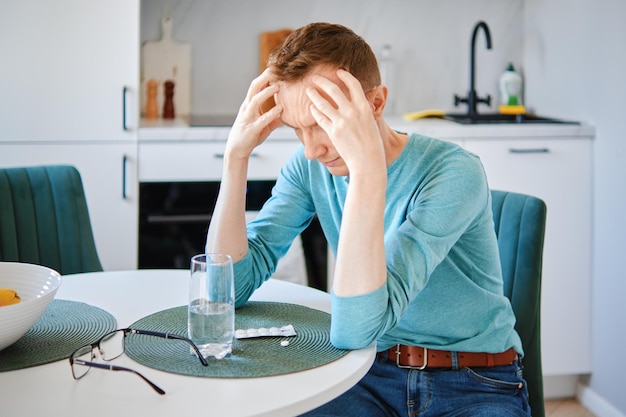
x=419 y=368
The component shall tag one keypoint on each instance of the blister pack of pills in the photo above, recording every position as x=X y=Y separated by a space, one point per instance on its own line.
x=284 y=331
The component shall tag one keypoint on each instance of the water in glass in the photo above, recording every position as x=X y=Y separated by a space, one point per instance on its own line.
x=211 y=327
x=211 y=312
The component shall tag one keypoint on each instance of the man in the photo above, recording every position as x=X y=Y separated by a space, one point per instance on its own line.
x=408 y=218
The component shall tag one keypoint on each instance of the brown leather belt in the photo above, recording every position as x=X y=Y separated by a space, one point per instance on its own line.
x=417 y=357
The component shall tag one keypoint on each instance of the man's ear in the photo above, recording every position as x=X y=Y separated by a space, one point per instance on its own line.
x=378 y=99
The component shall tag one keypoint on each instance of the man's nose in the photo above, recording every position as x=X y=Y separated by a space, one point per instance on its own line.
x=314 y=145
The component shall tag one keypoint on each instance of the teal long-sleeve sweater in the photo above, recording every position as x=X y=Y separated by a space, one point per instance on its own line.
x=444 y=285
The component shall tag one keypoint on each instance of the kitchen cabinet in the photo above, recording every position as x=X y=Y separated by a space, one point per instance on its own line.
x=109 y=178
x=69 y=83
x=557 y=170
x=70 y=70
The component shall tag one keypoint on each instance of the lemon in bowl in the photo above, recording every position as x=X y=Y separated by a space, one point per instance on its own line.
x=27 y=290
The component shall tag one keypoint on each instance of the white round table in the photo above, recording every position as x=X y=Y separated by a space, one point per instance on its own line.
x=50 y=389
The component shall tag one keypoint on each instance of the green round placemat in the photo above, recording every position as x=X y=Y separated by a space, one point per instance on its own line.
x=253 y=357
x=64 y=327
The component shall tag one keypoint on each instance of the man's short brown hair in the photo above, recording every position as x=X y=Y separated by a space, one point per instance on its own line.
x=324 y=44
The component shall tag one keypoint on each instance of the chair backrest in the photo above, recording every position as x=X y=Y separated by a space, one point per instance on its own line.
x=520 y=222
x=44 y=219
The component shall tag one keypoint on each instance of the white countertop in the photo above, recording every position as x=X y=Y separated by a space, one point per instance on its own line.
x=179 y=130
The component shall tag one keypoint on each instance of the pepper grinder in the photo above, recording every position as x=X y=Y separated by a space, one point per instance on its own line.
x=152 y=111
x=168 y=105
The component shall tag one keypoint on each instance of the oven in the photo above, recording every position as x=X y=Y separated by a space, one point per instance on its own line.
x=178 y=186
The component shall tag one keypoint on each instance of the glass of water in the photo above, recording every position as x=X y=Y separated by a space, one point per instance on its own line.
x=211 y=312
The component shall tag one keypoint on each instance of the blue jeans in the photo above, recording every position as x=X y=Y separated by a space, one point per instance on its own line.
x=387 y=390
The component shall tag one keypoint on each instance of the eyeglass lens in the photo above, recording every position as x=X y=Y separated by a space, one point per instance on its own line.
x=112 y=345
x=84 y=354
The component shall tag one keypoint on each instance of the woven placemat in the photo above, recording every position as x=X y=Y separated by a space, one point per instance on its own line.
x=64 y=327
x=255 y=357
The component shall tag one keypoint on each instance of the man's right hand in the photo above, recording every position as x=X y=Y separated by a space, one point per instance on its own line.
x=252 y=126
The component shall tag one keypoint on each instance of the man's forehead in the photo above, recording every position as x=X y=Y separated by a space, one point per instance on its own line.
x=296 y=104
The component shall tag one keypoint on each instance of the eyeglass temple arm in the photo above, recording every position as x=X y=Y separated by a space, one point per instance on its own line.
x=173 y=336
x=121 y=368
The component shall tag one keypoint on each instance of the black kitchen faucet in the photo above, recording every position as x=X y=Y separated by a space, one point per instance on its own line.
x=472 y=98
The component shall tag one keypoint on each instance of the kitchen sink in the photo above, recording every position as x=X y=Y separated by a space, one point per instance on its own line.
x=497 y=118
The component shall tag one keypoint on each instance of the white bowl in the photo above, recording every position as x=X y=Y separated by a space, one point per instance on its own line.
x=36 y=285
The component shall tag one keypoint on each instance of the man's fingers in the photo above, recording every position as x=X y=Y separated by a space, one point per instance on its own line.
x=320 y=103
x=321 y=119
x=258 y=84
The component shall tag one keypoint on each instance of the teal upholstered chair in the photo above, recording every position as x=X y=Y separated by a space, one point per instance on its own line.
x=520 y=224
x=44 y=219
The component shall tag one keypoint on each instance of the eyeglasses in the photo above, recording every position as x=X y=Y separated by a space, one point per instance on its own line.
x=111 y=346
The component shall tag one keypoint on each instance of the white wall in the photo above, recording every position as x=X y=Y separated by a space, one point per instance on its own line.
x=430 y=40
x=575 y=66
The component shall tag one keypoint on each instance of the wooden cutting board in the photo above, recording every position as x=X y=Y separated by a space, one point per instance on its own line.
x=167 y=59
x=268 y=41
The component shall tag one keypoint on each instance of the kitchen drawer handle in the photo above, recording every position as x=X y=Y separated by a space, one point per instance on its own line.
x=124 y=163
x=124 y=91
x=221 y=155
x=181 y=218
x=529 y=150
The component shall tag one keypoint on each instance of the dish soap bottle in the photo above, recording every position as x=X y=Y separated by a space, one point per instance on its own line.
x=511 y=87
